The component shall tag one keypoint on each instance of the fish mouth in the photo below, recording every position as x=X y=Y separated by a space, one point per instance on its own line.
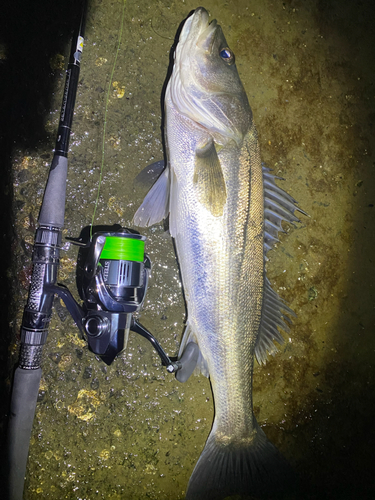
x=198 y=28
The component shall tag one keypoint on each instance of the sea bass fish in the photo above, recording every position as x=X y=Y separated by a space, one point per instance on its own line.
x=225 y=211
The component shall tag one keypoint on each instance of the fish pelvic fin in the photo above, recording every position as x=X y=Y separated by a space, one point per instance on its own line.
x=155 y=206
x=253 y=469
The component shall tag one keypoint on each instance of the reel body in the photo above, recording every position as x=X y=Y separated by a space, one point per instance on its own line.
x=112 y=282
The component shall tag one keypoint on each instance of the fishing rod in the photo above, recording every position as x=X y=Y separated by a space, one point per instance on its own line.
x=38 y=310
x=112 y=272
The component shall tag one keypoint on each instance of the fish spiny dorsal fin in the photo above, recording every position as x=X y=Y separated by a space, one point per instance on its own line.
x=278 y=206
x=209 y=179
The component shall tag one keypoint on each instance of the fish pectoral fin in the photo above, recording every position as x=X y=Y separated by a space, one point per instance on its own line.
x=209 y=179
x=155 y=206
x=173 y=204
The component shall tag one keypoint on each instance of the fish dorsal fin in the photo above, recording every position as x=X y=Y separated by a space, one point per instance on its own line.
x=209 y=179
x=278 y=206
x=272 y=317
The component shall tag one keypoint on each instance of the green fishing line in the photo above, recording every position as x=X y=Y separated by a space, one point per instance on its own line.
x=120 y=248
x=105 y=118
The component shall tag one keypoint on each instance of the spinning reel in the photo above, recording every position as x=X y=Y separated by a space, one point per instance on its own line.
x=112 y=282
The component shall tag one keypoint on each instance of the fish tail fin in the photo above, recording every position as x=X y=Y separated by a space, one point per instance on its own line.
x=253 y=469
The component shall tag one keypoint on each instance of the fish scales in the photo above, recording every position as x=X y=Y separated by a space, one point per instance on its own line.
x=216 y=194
x=224 y=296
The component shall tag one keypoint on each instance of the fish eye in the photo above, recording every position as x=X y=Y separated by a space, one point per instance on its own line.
x=227 y=55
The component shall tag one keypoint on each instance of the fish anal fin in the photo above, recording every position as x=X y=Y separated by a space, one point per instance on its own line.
x=209 y=179
x=201 y=366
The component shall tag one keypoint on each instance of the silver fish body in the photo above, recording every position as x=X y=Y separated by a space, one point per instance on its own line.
x=225 y=211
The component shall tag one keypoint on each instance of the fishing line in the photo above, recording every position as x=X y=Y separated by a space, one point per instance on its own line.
x=105 y=118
